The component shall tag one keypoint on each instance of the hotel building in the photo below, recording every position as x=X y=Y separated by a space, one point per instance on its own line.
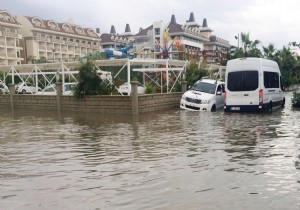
x=10 y=39
x=52 y=41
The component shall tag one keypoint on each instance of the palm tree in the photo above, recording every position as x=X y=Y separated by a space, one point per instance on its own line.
x=269 y=52
x=286 y=63
x=249 y=47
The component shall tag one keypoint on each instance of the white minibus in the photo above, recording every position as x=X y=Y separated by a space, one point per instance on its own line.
x=253 y=84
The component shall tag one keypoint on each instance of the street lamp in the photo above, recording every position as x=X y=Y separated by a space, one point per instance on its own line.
x=238 y=38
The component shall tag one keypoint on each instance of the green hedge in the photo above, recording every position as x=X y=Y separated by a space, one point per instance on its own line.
x=296 y=99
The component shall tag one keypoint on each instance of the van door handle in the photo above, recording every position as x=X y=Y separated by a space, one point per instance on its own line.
x=246 y=94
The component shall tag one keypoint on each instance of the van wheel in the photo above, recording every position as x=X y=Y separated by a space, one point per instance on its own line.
x=270 y=108
x=23 y=91
x=283 y=103
x=213 y=108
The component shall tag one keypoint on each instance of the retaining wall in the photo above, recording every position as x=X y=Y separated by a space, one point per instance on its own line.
x=100 y=104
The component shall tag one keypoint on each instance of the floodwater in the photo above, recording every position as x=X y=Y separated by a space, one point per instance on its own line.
x=168 y=160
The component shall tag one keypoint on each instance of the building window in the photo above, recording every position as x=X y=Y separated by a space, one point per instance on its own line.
x=157 y=31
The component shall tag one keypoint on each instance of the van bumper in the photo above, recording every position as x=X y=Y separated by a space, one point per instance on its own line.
x=245 y=108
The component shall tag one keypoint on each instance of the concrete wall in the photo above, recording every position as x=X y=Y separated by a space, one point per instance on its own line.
x=100 y=104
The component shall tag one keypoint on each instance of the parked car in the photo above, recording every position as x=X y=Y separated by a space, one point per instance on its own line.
x=3 y=88
x=123 y=89
x=26 y=87
x=204 y=95
x=68 y=89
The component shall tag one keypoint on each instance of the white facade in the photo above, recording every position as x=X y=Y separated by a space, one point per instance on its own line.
x=54 y=42
x=10 y=45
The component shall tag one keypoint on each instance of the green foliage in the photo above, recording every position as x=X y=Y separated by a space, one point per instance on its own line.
x=289 y=64
x=149 y=89
x=89 y=82
x=296 y=99
x=195 y=72
x=178 y=87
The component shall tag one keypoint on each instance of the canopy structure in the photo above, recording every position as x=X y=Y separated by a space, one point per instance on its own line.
x=171 y=69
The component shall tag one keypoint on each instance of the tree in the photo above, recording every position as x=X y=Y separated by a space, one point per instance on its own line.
x=89 y=81
x=286 y=63
x=248 y=48
x=269 y=52
x=195 y=71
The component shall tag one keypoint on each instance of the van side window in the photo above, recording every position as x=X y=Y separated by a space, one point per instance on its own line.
x=271 y=79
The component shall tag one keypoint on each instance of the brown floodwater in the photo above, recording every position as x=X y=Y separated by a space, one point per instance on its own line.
x=175 y=159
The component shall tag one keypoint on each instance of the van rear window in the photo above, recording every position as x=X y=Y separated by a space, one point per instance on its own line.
x=242 y=81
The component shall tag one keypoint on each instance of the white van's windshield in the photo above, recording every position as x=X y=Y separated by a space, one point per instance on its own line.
x=204 y=87
x=242 y=81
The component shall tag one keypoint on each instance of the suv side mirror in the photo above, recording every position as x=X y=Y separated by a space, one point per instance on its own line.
x=219 y=93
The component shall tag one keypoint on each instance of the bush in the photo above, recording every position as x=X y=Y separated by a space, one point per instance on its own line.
x=149 y=89
x=296 y=99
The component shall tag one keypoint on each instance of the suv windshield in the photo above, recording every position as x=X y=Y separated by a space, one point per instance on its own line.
x=204 y=87
x=242 y=80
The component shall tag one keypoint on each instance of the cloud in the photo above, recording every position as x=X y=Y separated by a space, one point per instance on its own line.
x=270 y=21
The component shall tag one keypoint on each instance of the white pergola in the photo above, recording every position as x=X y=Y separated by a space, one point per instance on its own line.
x=62 y=70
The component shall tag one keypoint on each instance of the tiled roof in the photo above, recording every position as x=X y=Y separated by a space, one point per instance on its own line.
x=175 y=28
x=66 y=28
x=143 y=32
x=105 y=38
x=6 y=17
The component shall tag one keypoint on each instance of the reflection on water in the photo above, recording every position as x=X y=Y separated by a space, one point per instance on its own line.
x=166 y=160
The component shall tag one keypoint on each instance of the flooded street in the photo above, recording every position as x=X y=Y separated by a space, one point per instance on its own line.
x=167 y=160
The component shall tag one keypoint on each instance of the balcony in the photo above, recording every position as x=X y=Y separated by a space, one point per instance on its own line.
x=58 y=41
x=71 y=43
x=10 y=44
x=12 y=35
x=11 y=56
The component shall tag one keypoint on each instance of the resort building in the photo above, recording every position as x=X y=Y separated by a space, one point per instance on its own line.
x=172 y=40
x=10 y=39
x=53 y=42
x=181 y=41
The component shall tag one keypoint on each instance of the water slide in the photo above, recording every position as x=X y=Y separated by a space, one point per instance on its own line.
x=120 y=52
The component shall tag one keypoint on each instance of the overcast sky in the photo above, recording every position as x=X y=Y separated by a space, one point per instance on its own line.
x=270 y=21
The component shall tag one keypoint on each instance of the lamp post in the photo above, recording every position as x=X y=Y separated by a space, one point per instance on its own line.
x=238 y=38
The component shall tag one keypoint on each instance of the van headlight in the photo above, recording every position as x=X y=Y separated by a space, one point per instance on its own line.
x=205 y=101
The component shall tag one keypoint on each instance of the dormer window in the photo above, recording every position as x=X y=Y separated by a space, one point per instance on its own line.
x=53 y=25
x=38 y=22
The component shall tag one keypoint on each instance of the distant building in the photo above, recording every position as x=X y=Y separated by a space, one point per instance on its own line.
x=172 y=40
x=10 y=39
x=52 y=41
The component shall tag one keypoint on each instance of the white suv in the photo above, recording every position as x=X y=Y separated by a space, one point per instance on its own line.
x=204 y=95
x=26 y=87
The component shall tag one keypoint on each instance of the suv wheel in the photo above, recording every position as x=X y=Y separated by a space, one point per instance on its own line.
x=23 y=91
x=213 y=108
